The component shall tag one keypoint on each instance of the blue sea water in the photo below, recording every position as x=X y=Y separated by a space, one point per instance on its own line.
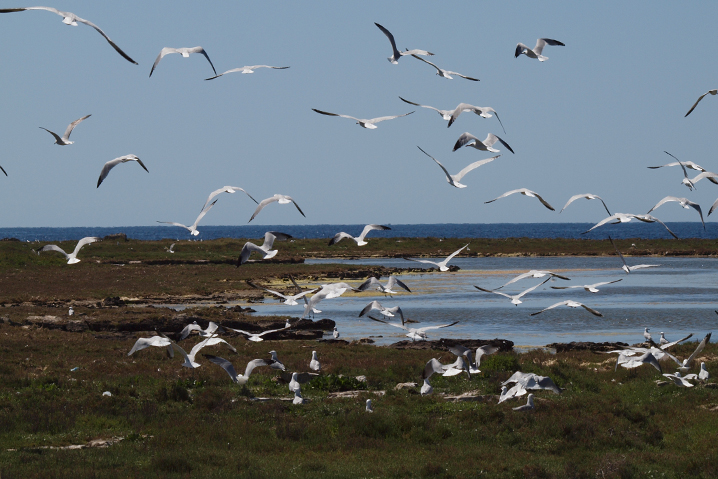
x=464 y=230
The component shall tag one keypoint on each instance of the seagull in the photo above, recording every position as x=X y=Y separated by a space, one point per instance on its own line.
x=282 y=199
x=245 y=69
x=369 y=408
x=515 y=298
x=414 y=333
x=314 y=364
x=298 y=399
x=226 y=189
x=193 y=228
x=210 y=331
x=588 y=196
x=297 y=379
x=525 y=192
x=453 y=180
x=529 y=406
x=570 y=304
x=486 y=145
x=687 y=181
x=591 y=288
x=626 y=217
x=288 y=300
x=663 y=339
x=189 y=359
x=704 y=375
x=629 y=362
x=385 y=311
x=688 y=362
x=157 y=341
x=182 y=51
x=432 y=367
x=684 y=202
x=445 y=114
x=266 y=249
x=482 y=111
x=227 y=366
x=256 y=336
x=712 y=92
x=335 y=334
x=473 y=367
x=359 y=239
x=690 y=183
x=534 y=273
x=69 y=18
x=112 y=163
x=313 y=310
x=426 y=388
x=373 y=282
x=441 y=264
x=396 y=54
x=65 y=140
x=361 y=122
x=647 y=336
x=673 y=343
x=678 y=380
x=327 y=292
x=275 y=363
x=72 y=257
x=685 y=164
x=537 y=50
x=444 y=73
x=533 y=381
x=625 y=266
x=171 y=248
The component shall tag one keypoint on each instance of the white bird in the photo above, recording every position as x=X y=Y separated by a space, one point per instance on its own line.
x=359 y=239
x=385 y=311
x=281 y=199
x=482 y=111
x=71 y=311
x=625 y=266
x=663 y=339
x=525 y=192
x=290 y=300
x=157 y=341
x=534 y=273
x=591 y=288
x=473 y=365
x=245 y=69
x=515 y=298
x=189 y=359
x=688 y=362
x=211 y=329
x=426 y=388
x=314 y=364
x=533 y=381
x=714 y=206
x=256 y=336
x=171 y=248
x=414 y=333
x=630 y=362
x=712 y=92
x=69 y=18
x=445 y=114
x=65 y=140
x=459 y=366
x=265 y=250
x=297 y=379
x=369 y=407
x=328 y=291
x=227 y=366
x=441 y=264
x=537 y=51
x=112 y=163
x=684 y=202
x=396 y=54
x=678 y=380
x=704 y=375
x=683 y=164
x=647 y=336
x=372 y=282
x=690 y=183
x=275 y=363
x=444 y=73
x=453 y=180
x=192 y=228
x=673 y=343
x=184 y=52
x=467 y=139
x=617 y=218
x=298 y=399
x=433 y=366
x=570 y=304
x=529 y=406
x=364 y=123
x=226 y=189
x=300 y=290
x=335 y=334
x=588 y=196
x=72 y=257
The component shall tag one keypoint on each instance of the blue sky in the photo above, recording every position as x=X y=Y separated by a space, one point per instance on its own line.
x=588 y=120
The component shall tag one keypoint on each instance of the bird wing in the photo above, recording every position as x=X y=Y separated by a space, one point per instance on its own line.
x=388 y=34
x=163 y=52
x=550 y=307
x=591 y=310
x=271 y=236
x=457 y=111
x=602 y=222
x=106 y=169
x=143 y=343
x=464 y=139
x=427 y=61
x=426 y=328
x=338 y=237
x=228 y=71
x=370 y=306
x=396 y=325
x=57 y=138
x=52 y=247
x=491 y=291
x=628 y=270
x=261 y=205
x=572 y=199
x=203 y=52
x=713 y=207
x=224 y=364
x=298 y=208
x=113 y=44
x=382 y=118
x=448 y=176
x=247 y=250
x=520 y=48
x=335 y=114
x=255 y=363
x=532 y=288
x=204 y=212
x=712 y=92
x=276 y=293
x=393 y=280
x=699 y=348
x=668 y=345
x=423 y=261
x=491 y=139
x=473 y=166
x=417 y=104
x=368 y=228
x=72 y=126
x=542 y=42
x=313 y=301
x=83 y=242
x=433 y=366
x=448 y=258
x=543 y=202
x=372 y=281
x=505 y=195
x=651 y=219
x=461 y=75
x=664 y=200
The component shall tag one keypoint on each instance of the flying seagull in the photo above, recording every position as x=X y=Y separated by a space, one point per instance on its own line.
x=361 y=122
x=625 y=266
x=570 y=304
x=535 y=273
x=359 y=239
x=112 y=163
x=684 y=202
x=69 y=18
x=529 y=406
x=211 y=329
x=182 y=51
x=193 y=228
x=712 y=92
x=588 y=196
x=688 y=362
x=189 y=358
x=282 y=199
x=245 y=69
x=467 y=139
x=385 y=311
x=227 y=366
x=373 y=282
x=482 y=111
x=445 y=114
x=414 y=333
x=256 y=337
x=72 y=257
x=288 y=300
x=266 y=248
x=453 y=180
x=396 y=54
x=226 y=189
x=537 y=50
x=65 y=140
x=525 y=192
x=626 y=217
x=157 y=341
x=445 y=73
x=441 y=264
x=591 y=288
x=515 y=298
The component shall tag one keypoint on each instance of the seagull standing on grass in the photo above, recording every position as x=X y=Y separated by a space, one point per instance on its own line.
x=453 y=180
x=72 y=257
x=537 y=51
x=364 y=123
x=182 y=51
x=65 y=140
x=193 y=228
x=265 y=250
x=314 y=364
x=467 y=139
x=525 y=192
x=442 y=265
x=359 y=239
x=396 y=54
x=281 y=199
x=369 y=407
x=246 y=69
x=112 y=163
x=515 y=298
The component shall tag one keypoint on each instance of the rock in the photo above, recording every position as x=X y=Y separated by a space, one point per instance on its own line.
x=585 y=346
x=364 y=341
x=116 y=237
x=10 y=239
x=112 y=301
x=504 y=345
x=401 y=386
x=76 y=326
